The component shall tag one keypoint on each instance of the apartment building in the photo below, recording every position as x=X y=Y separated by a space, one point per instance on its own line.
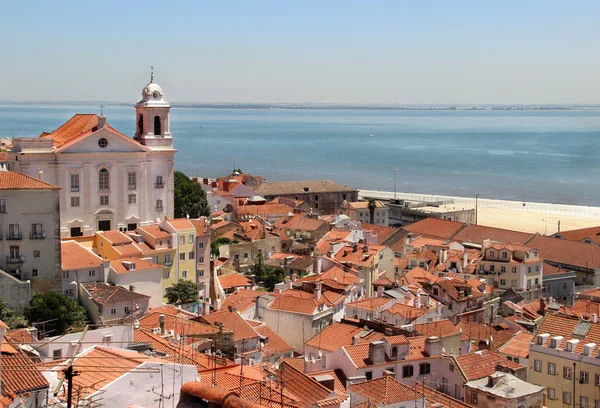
x=202 y=256
x=359 y=211
x=184 y=241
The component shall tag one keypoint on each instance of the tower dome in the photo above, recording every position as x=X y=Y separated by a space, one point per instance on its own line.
x=152 y=117
x=152 y=91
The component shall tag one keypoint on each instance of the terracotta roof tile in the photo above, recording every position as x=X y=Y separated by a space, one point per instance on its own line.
x=302 y=222
x=383 y=233
x=483 y=363
x=140 y=265
x=180 y=224
x=13 y=180
x=104 y=294
x=371 y=304
x=275 y=345
x=433 y=396
x=416 y=275
x=518 y=345
x=18 y=373
x=306 y=389
x=339 y=379
x=76 y=256
x=434 y=227
x=585 y=308
x=406 y=311
x=440 y=328
x=335 y=235
x=265 y=209
x=593 y=233
x=179 y=325
x=294 y=304
x=20 y=336
x=479 y=233
x=300 y=187
x=233 y=280
x=359 y=354
x=567 y=252
x=338 y=335
x=155 y=231
x=385 y=390
x=241 y=300
x=231 y=321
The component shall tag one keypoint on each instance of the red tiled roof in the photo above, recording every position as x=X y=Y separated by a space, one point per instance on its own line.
x=265 y=209
x=20 y=336
x=13 y=180
x=155 y=231
x=76 y=256
x=594 y=292
x=306 y=389
x=592 y=233
x=483 y=363
x=233 y=280
x=140 y=266
x=416 y=275
x=242 y=300
x=585 y=308
x=518 y=345
x=231 y=321
x=479 y=233
x=294 y=304
x=406 y=311
x=116 y=237
x=433 y=396
x=104 y=294
x=440 y=328
x=180 y=224
x=364 y=256
x=383 y=233
x=359 y=354
x=275 y=344
x=338 y=335
x=335 y=235
x=302 y=222
x=18 y=373
x=339 y=380
x=567 y=252
x=385 y=390
x=371 y=304
x=434 y=227
x=179 y=325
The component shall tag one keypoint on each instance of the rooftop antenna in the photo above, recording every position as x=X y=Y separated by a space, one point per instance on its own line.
x=102 y=110
x=151 y=74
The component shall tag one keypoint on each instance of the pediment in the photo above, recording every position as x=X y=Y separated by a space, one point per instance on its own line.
x=104 y=211
x=105 y=140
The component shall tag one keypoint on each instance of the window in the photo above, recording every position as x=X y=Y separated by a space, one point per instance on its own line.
x=191 y=239
x=597 y=380
x=159 y=182
x=566 y=397
x=126 y=309
x=104 y=200
x=474 y=398
x=529 y=269
x=503 y=269
x=245 y=255
x=65 y=274
x=91 y=272
x=181 y=240
x=167 y=274
x=159 y=205
x=74 y=201
x=36 y=231
x=551 y=393
x=514 y=269
x=317 y=197
x=200 y=244
x=200 y=272
x=492 y=253
x=513 y=283
x=369 y=375
x=584 y=377
x=157 y=130
x=583 y=402
x=56 y=354
x=451 y=367
x=551 y=368
x=492 y=268
x=407 y=371
x=503 y=282
x=102 y=142
x=528 y=283
x=131 y=227
x=505 y=255
x=74 y=183
x=537 y=268
x=537 y=365
x=3 y=203
x=537 y=280
x=132 y=181
x=182 y=256
x=565 y=285
x=34 y=272
x=103 y=180
x=168 y=258
x=113 y=311
x=131 y=199
x=424 y=368
x=200 y=259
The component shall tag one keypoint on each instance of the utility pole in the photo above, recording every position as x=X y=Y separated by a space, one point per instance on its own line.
x=395 y=177
x=574 y=375
x=476 y=202
x=545 y=225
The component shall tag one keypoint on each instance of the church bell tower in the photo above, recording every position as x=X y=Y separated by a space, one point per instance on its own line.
x=153 y=124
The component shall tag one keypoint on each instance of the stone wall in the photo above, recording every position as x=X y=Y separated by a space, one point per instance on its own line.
x=16 y=293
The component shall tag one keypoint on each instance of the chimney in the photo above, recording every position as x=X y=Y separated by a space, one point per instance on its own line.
x=290 y=284
x=380 y=291
x=218 y=304
x=366 y=249
x=388 y=331
x=40 y=175
x=438 y=308
x=205 y=180
x=161 y=322
x=326 y=380
x=232 y=309
x=101 y=121
x=206 y=307
x=444 y=255
x=355 y=247
x=317 y=292
x=132 y=288
x=465 y=259
x=355 y=339
x=424 y=300
x=377 y=352
x=594 y=318
x=225 y=185
x=319 y=265
x=542 y=306
x=433 y=346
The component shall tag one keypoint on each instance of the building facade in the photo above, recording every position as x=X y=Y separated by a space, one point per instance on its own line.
x=107 y=180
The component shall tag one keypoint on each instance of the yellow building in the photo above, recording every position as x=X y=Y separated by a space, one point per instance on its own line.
x=184 y=243
x=157 y=244
x=563 y=357
x=114 y=244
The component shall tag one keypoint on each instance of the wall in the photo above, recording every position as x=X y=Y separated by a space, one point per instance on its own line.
x=295 y=328
x=147 y=281
x=560 y=287
x=328 y=203
x=27 y=207
x=14 y=292
x=92 y=274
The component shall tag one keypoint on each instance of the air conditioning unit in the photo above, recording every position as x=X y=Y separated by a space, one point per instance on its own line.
x=156 y=330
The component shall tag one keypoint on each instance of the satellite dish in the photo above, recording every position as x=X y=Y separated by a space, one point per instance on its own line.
x=320 y=354
x=306 y=359
x=136 y=324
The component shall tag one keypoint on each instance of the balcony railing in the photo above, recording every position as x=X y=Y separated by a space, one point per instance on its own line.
x=132 y=186
x=12 y=260
x=168 y=263
x=159 y=209
x=159 y=185
x=74 y=189
x=37 y=235
x=14 y=235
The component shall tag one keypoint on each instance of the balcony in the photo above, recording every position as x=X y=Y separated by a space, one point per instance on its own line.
x=14 y=235
x=37 y=235
x=159 y=209
x=13 y=259
x=168 y=264
x=132 y=187
x=74 y=189
x=159 y=185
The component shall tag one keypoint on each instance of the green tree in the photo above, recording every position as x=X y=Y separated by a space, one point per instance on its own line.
x=214 y=246
x=61 y=313
x=190 y=199
x=183 y=291
x=269 y=276
x=10 y=317
x=371 y=206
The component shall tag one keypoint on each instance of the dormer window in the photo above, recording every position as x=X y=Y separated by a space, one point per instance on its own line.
x=504 y=254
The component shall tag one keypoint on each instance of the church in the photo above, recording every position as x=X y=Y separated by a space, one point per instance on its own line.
x=107 y=180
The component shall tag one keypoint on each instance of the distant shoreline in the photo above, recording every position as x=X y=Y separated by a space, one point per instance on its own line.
x=310 y=106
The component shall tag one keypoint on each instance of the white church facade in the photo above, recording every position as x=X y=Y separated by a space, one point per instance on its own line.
x=107 y=180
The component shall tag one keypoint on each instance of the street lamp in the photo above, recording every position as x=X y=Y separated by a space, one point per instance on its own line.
x=395 y=177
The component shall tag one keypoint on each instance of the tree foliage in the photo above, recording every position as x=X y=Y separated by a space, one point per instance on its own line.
x=190 y=199
x=214 y=246
x=61 y=313
x=183 y=291
x=371 y=206
x=10 y=317
x=270 y=276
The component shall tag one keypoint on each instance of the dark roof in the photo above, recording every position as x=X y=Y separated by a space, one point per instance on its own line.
x=301 y=187
x=103 y=293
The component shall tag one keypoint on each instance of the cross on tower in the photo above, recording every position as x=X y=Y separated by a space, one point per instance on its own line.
x=152 y=74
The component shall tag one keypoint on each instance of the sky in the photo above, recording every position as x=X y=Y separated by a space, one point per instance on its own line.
x=405 y=52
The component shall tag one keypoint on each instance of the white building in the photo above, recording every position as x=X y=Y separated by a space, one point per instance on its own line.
x=138 y=275
x=107 y=179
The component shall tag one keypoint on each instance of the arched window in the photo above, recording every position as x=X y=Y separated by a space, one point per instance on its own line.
x=141 y=124
x=103 y=178
x=157 y=131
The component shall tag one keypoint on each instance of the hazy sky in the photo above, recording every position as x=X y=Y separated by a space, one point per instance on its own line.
x=303 y=51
